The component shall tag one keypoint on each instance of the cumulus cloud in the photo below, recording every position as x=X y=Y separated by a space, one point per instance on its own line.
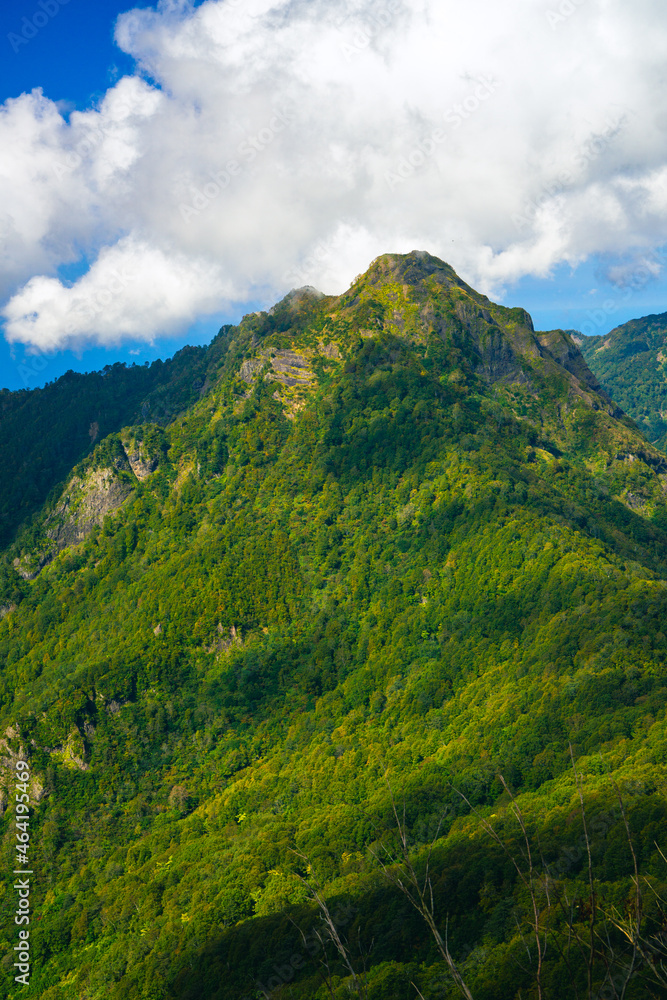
x=285 y=142
x=131 y=289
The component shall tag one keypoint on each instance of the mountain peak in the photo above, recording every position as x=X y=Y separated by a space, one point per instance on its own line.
x=418 y=304
x=297 y=297
x=413 y=266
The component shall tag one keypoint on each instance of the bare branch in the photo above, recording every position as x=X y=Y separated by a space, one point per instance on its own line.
x=418 y=892
x=591 y=887
x=316 y=893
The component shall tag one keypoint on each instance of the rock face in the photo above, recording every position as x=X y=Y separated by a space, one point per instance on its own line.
x=71 y=753
x=29 y=566
x=9 y=755
x=290 y=368
x=500 y=343
x=564 y=348
x=83 y=506
x=497 y=360
x=87 y=502
x=142 y=465
x=250 y=368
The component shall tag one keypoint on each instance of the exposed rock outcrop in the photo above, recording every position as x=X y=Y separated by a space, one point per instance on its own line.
x=84 y=504
x=87 y=502
x=29 y=566
x=142 y=465
x=290 y=368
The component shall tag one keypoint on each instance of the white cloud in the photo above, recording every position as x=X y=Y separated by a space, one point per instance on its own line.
x=290 y=140
x=634 y=270
x=130 y=291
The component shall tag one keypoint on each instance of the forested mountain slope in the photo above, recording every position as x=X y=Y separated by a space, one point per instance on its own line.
x=402 y=546
x=630 y=363
x=44 y=432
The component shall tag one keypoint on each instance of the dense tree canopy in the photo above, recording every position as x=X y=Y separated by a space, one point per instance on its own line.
x=399 y=548
x=630 y=363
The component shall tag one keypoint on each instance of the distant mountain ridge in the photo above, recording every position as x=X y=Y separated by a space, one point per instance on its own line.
x=44 y=432
x=630 y=362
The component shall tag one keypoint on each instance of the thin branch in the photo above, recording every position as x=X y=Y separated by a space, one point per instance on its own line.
x=314 y=889
x=419 y=894
x=591 y=886
x=638 y=896
x=528 y=880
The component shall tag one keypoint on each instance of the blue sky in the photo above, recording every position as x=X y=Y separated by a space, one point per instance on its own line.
x=72 y=57
x=213 y=156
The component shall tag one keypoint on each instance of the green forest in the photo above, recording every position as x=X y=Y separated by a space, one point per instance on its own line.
x=630 y=363
x=338 y=655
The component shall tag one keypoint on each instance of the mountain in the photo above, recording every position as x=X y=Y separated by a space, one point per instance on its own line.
x=44 y=432
x=383 y=607
x=630 y=364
